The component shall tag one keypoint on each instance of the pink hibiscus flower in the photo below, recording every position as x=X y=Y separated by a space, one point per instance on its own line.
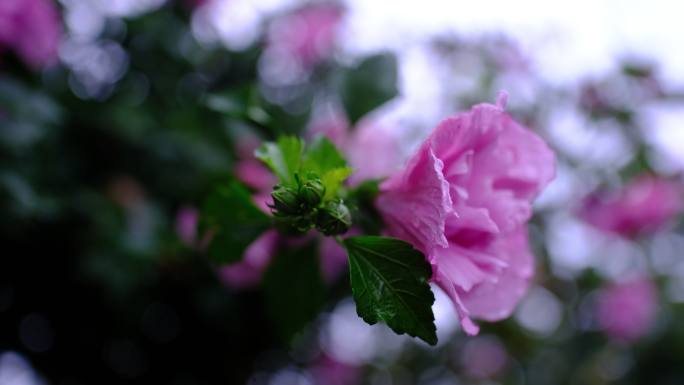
x=307 y=35
x=327 y=370
x=371 y=150
x=187 y=219
x=644 y=205
x=463 y=199
x=627 y=310
x=484 y=357
x=32 y=29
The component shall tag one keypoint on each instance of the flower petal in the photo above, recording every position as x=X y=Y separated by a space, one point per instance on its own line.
x=416 y=202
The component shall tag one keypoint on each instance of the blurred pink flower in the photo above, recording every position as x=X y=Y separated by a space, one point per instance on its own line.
x=644 y=205
x=333 y=258
x=247 y=272
x=307 y=35
x=255 y=175
x=334 y=125
x=626 y=311
x=251 y=171
x=463 y=199
x=263 y=200
x=327 y=370
x=509 y=57
x=483 y=357
x=372 y=151
x=187 y=219
x=32 y=29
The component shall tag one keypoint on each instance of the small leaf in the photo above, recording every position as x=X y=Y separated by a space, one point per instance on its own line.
x=234 y=220
x=389 y=280
x=294 y=289
x=321 y=159
x=369 y=85
x=322 y=156
x=332 y=180
x=283 y=157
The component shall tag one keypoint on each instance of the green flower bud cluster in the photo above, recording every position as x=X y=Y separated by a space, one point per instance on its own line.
x=297 y=210
x=334 y=218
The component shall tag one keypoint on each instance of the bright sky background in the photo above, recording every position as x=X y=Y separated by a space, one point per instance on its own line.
x=567 y=38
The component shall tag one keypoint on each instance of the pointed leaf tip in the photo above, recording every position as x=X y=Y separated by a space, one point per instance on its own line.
x=389 y=280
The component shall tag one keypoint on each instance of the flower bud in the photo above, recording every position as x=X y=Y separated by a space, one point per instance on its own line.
x=285 y=201
x=334 y=218
x=312 y=192
x=293 y=224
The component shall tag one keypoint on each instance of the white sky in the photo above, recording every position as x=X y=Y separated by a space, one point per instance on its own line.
x=567 y=38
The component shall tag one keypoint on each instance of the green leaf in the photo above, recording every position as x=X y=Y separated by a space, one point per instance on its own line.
x=294 y=289
x=361 y=202
x=322 y=156
x=283 y=157
x=323 y=159
x=369 y=85
x=332 y=180
x=235 y=221
x=389 y=280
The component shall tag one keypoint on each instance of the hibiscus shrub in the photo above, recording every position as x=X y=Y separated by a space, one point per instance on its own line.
x=222 y=191
x=458 y=209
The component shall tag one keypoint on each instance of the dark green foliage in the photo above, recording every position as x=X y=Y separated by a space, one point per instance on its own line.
x=283 y=157
x=233 y=219
x=294 y=289
x=334 y=218
x=369 y=85
x=389 y=280
x=361 y=202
